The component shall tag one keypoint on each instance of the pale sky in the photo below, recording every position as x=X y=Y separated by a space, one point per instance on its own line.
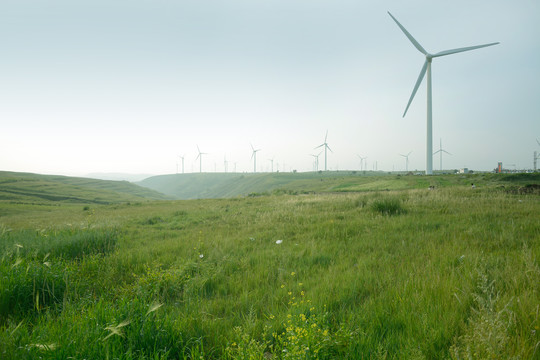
x=127 y=86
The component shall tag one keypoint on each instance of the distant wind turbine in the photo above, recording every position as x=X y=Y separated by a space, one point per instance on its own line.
x=200 y=158
x=440 y=151
x=182 y=157
x=316 y=160
x=272 y=161
x=406 y=160
x=361 y=161
x=427 y=68
x=225 y=163
x=326 y=147
x=254 y=157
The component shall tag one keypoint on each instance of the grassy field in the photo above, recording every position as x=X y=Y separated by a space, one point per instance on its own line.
x=228 y=185
x=358 y=268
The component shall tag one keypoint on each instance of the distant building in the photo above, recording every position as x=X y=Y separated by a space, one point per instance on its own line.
x=464 y=171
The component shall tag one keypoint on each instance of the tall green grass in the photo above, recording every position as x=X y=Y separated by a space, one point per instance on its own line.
x=452 y=274
x=63 y=243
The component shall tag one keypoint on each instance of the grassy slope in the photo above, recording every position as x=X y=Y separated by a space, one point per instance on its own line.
x=25 y=187
x=453 y=274
x=223 y=185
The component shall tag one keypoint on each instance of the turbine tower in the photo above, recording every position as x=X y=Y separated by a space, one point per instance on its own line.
x=254 y=157
x=326 y=147
x=536 y=156
x=272 y=161
x=200 y=158
x=406 y=161
x=182 y=157
x=440 y=151
x=427 y=68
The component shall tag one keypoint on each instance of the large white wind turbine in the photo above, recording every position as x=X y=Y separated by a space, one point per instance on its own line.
x=427 y=68
x=326 y=147
x=440 y=151
x=254 y=157
x=406 y=160
x=200 y=158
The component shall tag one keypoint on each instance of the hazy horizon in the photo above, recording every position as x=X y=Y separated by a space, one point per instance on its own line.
x=126 y=87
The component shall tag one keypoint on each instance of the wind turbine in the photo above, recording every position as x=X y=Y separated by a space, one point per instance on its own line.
x=182 y=157
x=316 y=160
x=200 y=158
x=272 y=161
x=361 y=161
x=326 y=147
x=441 y=151
x=406 y=160
x=225 y=163
x=427 y=68
x=254 y=157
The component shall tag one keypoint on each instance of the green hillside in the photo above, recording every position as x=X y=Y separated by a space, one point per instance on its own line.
x=226 y=185
x=32 y=188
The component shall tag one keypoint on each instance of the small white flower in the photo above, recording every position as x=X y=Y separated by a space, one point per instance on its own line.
x=252 y=239
x=279 y=241
x=201 y=256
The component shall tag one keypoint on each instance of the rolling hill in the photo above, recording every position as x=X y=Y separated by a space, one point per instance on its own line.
x=28 y=188
x=226 y=185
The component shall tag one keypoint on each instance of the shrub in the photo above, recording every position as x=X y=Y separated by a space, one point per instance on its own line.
x=388 y=206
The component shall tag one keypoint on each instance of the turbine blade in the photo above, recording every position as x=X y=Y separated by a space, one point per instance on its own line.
x=446 y=152
x=329 y=148
x=454 y=51
x=326 y=136
x=411 y=38
x=319 y=146
x=418 y=82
